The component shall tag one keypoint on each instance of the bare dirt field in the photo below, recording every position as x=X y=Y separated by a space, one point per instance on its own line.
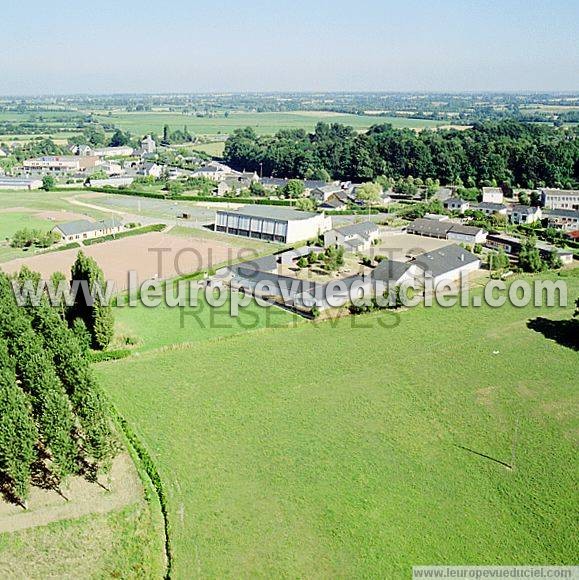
x=84 y=497
x=62 y=216
x=153 y=255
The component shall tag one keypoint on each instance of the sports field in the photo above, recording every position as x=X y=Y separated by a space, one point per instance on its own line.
x=262 y=123
x=360 y=448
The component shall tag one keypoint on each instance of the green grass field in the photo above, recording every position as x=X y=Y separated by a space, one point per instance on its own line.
x=120 y=544
x=17 y=202
x=154 y=328
x=215 y=149
x=360 y=448
x=40 y=200
x=263 y=123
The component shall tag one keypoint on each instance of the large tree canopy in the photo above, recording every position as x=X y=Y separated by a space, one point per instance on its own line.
x=507 y=152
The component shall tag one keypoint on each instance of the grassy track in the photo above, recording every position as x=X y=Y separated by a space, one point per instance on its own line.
x=120 y=544
x=341 y=450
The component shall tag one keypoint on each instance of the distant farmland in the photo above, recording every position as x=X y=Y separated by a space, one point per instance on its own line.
x=262 y=123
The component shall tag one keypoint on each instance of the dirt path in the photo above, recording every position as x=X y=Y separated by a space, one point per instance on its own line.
x=84 y=497
x=76 y=201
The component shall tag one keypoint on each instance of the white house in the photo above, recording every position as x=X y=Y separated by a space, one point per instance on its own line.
x=215 y=171
x=84 y=229
x=272 y=223
x=148 y=145
x=490 y=208
x=524 y=214
x=492 y=195
x=354 y=237
x=456 y=204
x=150 y=169
x=322 y=193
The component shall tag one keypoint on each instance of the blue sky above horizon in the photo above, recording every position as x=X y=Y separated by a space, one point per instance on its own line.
x=317 y=45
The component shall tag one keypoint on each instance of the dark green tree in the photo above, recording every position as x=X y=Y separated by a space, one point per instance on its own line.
x=98 y=316
x=48 y=183
x=530 y=258
x=18 y=434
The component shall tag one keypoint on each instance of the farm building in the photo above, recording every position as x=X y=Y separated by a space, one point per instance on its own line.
x=122 y=151
x=565 y=219
x=354 y=237
x=272 y=223
x=85 y=229
x=20 y=183
x=273 y=182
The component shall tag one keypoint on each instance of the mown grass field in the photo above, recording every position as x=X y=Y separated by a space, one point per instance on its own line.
x=360 y=448
x=215 y=149
x=263 y=123
x=20 y=209
x=120 y=544
x=155 y=328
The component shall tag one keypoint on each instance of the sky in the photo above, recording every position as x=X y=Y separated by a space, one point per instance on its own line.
x=170 y=46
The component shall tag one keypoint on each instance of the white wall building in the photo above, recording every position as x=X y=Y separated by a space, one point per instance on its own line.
x=353 y=237
x=272 y=223
x=20 y=183
x=60 y=164
x=84 y=229
x=492 y=195
x=560 y=198
x=524 y=214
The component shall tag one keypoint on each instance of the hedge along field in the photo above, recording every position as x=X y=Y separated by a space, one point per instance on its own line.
x=263 y=123
x=358 y=450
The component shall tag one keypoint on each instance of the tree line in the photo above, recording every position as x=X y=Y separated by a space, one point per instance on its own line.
x=491 y=153
x=54 y=420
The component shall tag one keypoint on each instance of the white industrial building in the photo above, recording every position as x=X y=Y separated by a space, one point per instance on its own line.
x=272 y=223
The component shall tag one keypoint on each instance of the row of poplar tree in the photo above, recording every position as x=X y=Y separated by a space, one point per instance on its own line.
x=54 y=420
